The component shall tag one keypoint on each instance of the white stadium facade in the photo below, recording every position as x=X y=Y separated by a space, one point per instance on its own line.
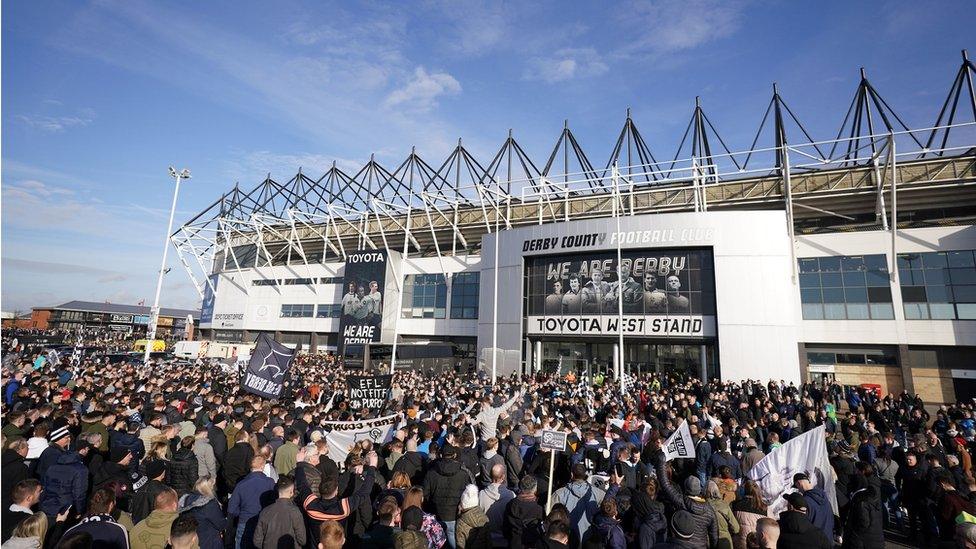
x=849 y=257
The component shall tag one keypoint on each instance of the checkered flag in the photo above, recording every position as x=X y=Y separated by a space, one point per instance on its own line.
x=585 y=389
x=629 y=381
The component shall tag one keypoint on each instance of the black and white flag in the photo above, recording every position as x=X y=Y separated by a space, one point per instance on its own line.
x=268 y=368
x=679 y=444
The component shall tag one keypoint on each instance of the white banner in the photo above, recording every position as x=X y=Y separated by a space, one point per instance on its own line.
x=806 y=453
x=679 y=444
x=345 y=434
x=683 y=325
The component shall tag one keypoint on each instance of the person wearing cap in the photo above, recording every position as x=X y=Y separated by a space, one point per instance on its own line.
x=705 y=531
x=473 y=530
x=819 y=511
x=796 y=530
x=218 y=440
x=443 y=485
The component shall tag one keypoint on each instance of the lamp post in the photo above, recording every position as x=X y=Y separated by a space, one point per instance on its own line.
x=154 y=314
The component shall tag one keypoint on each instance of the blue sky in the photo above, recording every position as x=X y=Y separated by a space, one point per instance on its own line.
x=100 y=97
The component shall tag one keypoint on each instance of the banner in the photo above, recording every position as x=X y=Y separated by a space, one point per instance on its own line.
x=267 y=370
x=806 y=453
x=345 y=434
x=658 y=293
x=370 y=392
x=361 y=313
x=209 y=296
x=679 y=444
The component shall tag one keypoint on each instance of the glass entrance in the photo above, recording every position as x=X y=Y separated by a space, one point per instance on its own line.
x=590 y=358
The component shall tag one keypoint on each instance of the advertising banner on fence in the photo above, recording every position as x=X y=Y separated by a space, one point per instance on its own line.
x=361 y=315
x=345 y=434
x=370 y=392
x=665 y=293
x=268 y=368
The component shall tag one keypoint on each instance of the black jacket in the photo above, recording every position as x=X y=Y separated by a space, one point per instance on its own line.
x=706 y=527
x=12 y=470
x=66 y=482
x=145 y=498
x=412 y=464
x=218 y=440
x=864 y=528
x=10 y=521
x=443 y=486
x=182 y=471
x=211 y=520
x=237 y=464
x=797 y=532
x=523 y=522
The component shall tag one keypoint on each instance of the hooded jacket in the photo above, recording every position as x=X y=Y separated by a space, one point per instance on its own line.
x=12 y=470
x=153 y=532
x=206 y=459
x=128 y=443
x=819 y=512
x=583 y=501
x=797 y=532
x=610 y=532
x=66 y=483
x=493 y=501
x=210 y=519
x=472 y=530
x=864 y=528
x=443 y=486
x=523 y=521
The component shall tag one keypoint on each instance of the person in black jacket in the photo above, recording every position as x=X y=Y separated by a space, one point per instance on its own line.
x=443 y=485
x=524 y=516
x=26 y=494
x=218 y=440
x=864 y=528
x=211 y=519
x=912 y=484
x=795 y=529
x=237 y=461
x=183 y=469
x=100 y=524
x=706 y=526
x=12 y=469
x=147 y=488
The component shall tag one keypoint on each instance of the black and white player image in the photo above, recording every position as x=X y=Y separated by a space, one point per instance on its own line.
x=655 y=300
x=633 y=293
x=572 y=300
x=372 y=304
x=594 y=293
x=676 y=301
x=554 y=301
x=350 y=301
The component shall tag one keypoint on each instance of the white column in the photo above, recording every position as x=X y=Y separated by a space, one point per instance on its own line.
x=538 y=357
x=704 y=363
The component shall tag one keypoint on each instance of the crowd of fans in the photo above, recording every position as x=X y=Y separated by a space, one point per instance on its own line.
x=120 y=455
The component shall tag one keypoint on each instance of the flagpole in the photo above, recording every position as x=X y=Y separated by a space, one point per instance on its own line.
x=618 y=203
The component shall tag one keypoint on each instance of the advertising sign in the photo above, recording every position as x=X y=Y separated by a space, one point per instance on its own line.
x=666 y=293
x=361 y=315
x=122 y=319
x=209 y=295
x=140 y=319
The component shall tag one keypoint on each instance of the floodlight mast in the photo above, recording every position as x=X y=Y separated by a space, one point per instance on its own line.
x=154 y=314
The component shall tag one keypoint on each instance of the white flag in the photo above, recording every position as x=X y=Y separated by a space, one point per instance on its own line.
x=679 y=444
x=806 y=453
x=345 y=434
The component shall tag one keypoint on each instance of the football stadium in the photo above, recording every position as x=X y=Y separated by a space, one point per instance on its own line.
x=847 y=257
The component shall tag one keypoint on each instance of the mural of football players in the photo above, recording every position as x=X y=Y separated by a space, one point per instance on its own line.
x=595 y=292
x=363 y=309
x=350 y=301
x=372 y=303
x=676 y=301
x=633 y=294
x=572 y=300
x=655 y=300
x=554 y=301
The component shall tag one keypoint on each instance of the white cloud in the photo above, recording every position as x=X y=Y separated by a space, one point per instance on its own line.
x=670 y=26
x=420 y=93
x=54 y=124
x=565 y=64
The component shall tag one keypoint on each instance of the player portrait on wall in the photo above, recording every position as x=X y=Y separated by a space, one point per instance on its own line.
x=676 y=301
x=554 y=301
x=572 y=300
x=655 y=300
x=595 y=292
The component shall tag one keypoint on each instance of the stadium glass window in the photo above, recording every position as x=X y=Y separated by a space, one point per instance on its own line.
x=330 y=280
x=328 y=310
x=298 y=281
x=424 y=296
x=297 y=311
x=464 y=295
x=845 y=288
x=938 y=285
x=265 y=282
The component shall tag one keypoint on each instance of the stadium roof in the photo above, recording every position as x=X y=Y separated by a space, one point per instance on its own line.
x=95 y=307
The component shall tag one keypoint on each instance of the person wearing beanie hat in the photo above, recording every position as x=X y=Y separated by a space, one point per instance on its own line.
x=682 y=530
x=795 y=527
x=472 y=523
x=60 y=438
x=146 y=490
